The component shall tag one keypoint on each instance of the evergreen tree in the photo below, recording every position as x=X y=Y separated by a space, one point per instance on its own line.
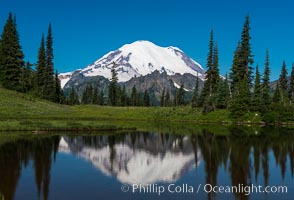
x=73 y=97
x=277 y=94
x=87 y=97
x=223 y=94
x=246 y=60
x=84 y=96
x=58 y=93
x=257 y=95
x=167 y=99
x=283 y=83
x=90 y=94
x=134 y=97
x=212 y=74
x=241 y=74
x=101 y=98
x=215 y=71
x=112 y=91
x=49 y=81
x=239 y=105
x=266 y=98
x=27 y=77
x=283 y=77
x=95 y=96
x=11 y=56
x=234 y=75
x=175 y=103
x=118 y=96
x=124 y=97
x=195 y=96
x=291 y=88
x=146 y=99
x=41 y=69
x=162 y=98
x=207 y=88
x=181 y=96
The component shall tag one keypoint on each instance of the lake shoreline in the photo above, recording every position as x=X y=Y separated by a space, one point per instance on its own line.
x=40 y=125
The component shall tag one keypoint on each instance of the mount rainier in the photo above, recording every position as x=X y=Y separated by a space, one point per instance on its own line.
x=141 y=64
x=139 y=59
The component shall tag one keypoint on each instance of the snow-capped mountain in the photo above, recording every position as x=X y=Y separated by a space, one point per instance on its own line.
x=139 y=59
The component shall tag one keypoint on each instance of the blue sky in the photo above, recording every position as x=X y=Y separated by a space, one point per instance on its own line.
x=85 y=30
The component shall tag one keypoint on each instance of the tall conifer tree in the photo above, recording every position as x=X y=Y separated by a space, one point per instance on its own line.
x=195 y=97
x=112 y=91
x=49 y=82
x=41 y=69
x=283 y=82
x=266 y=98
x=146 y=100
x=134 y=96
x=241 y=74
x=291 y=88
x=257 y=95
x=58 y=93
x=11 y=56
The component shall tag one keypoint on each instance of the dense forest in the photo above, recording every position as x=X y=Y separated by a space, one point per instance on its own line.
x=244 y=90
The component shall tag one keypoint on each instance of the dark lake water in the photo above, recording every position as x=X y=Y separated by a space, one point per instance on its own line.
x=149 y=165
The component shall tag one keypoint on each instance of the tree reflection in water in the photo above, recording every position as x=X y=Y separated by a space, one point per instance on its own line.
x=152 y=157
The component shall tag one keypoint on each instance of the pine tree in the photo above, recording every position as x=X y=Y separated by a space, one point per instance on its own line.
x=277 y=94
x=291 y=88
x=212 y=74
x=84 y=96
x=73 y=97
x=234 y=75
x=181 y=96
x=283 y=83
x=95 y=99
x=58 y=93
x=112 y=91
x=175 y=103
x=49 y=81
x=246 y=54
x=223 y=94
x=215 y=71
x=124 y=97
x=207 y=88
x=134 y=97
x=241 y=74
x=162 y=98
x=146 y=99
x=41 y=69
x=101 y=98
x=27 y=77
x=167 y=99
x=11 y=56
x=257 y=95
x=90 y=94
x=266 y=98
x=239 y=105
x=195 y=97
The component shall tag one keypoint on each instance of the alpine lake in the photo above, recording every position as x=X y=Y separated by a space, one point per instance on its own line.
x=164 y=161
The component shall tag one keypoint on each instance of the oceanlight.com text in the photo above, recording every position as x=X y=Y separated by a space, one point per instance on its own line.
x=206 y=188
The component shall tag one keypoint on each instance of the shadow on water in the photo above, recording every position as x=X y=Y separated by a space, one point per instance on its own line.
x=162 y=155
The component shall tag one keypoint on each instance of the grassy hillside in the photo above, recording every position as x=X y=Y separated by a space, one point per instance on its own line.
x=17 y=105
x=24 y=112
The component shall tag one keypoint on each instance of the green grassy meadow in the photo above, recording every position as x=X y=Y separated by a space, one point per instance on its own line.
x=25 y=112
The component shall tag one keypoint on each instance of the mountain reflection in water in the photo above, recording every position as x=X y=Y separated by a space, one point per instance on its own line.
x=150 y=159
x=201 y=157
